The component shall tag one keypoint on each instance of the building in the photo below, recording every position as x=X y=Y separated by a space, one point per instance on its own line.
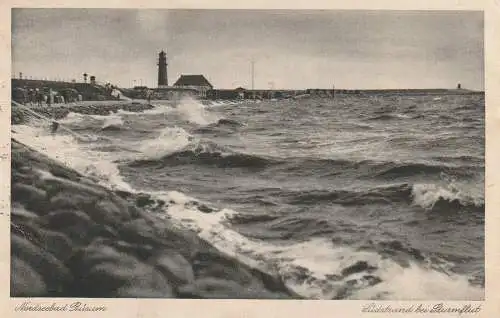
x=162 y=70
x=196 y=82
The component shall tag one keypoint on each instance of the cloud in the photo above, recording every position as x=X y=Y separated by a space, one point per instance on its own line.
x=295 y=49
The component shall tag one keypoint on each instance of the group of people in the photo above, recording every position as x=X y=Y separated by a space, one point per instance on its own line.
x=38 y=97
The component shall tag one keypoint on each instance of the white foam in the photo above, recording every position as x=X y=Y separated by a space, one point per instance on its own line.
x=65 y=149
x=195 y=112
x=321 y=258
x=159 y=109
x=169 y=140
x=77 y=118
x=72 y=118
x=112 y=121
x=427 y=195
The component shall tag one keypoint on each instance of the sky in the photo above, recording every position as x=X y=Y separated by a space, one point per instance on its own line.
x=291 y=49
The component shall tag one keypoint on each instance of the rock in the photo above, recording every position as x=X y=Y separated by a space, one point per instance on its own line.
x=54 y=274
x=57 y=244
x=273 y=284
x=140 y=250
x=159 y=233
x=62 y=219
x=371 y=280
x=72 y=201
x=19 y=212
x=143 y=200
x=107 y=212
x=103 y=231
x=124 y=205
x=201 y=207
x=24 y=281
x=23 y=178
x=175 y=268
x=359 y=266
x=185 y=242
x=32 y=198
x=28 y=231
x=139 y=230
x=106 y=272
x=76 y=225
x=222 y=289
x=138 y=292
x=333 y=277
x=395 y=247
x=123 y=194
x=57 y=185
x=205 y=209
x=210 y=264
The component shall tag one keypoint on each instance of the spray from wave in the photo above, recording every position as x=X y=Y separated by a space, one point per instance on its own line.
x=195 y=112
x=112 y=123
x=66 y=149
x=318 y=268
x=170 y=140
x=431 y=196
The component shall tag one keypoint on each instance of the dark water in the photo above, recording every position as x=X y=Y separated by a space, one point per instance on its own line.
x=358 y=197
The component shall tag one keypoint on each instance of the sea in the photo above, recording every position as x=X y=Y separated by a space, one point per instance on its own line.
x=366 y=196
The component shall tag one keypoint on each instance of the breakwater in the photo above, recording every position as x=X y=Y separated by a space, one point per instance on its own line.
x=90 y=108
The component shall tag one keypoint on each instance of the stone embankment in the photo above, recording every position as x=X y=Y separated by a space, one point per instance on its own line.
x=88 y=108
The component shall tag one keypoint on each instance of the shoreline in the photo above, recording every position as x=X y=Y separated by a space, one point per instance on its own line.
x=59 y=111
x=71 y=237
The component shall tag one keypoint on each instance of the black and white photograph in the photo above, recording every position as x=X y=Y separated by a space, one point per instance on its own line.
x=247 y=154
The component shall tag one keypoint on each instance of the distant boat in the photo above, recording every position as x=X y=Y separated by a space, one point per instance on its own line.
x=459 y=86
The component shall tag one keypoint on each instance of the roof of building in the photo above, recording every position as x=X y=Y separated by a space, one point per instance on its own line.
x=192 y=80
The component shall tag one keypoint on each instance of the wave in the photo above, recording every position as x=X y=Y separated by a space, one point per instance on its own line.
x=195 y=112
x=228 y=122
x=316 y=268
x=208 y=154
x=112 y=123
x=168 y=141
x=175 y=146
x=428 y=196
x=396 y=193
x=223 y=125
x=389 y=117
x=392 y=169
x=445 y=198
x=378 y=169
x=85 y=157
x=321 y=269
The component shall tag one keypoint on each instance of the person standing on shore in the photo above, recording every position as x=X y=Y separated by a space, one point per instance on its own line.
x=31 y=97
x=39 y=97
x=49 y=98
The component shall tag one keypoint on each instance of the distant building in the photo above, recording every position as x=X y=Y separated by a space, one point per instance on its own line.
x=196 y=82
x=241 y=92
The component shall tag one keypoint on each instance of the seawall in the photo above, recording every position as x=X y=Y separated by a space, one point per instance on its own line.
x=88 y=108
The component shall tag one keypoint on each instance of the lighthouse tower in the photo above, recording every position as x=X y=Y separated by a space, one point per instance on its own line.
x=162 y=69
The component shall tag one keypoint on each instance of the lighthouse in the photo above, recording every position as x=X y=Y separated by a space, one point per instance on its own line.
x=162 y=69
